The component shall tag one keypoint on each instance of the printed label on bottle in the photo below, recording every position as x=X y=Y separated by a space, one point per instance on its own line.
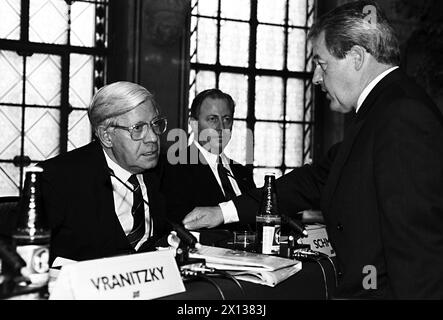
x=37 y=261
x=276 y=240
x=268 y=239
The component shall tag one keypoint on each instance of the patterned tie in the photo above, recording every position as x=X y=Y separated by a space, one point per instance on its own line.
x=226 y=184
x=138 y=212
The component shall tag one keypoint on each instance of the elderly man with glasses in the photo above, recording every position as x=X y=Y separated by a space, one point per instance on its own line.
x=102 y=199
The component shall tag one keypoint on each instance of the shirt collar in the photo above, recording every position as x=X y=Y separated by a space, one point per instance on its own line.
x=121 y=173
x=210 y=157
x=371 y=86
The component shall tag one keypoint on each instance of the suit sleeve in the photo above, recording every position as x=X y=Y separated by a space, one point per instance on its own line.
x=298 y=190
x=177 y=189
x=408 y=169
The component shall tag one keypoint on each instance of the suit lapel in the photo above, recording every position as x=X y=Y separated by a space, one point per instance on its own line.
x=108 y=220
x=351 y=135
x=340 y=160
x=240 y=178
x=202 y=170
x=152 y=199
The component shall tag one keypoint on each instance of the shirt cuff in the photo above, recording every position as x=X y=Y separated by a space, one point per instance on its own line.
x=229 y=212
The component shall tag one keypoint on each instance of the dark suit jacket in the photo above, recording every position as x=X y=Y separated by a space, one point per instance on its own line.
x=187 y=186
x=78 y=198
x=381 y=193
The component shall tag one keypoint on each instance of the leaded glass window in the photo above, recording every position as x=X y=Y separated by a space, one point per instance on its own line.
x=256 y=50
x=52 y=58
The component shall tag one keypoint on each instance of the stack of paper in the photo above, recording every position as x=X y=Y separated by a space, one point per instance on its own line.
x=254 y=267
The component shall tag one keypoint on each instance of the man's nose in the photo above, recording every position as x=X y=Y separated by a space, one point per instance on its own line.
x=317 y=77
x=150 y=136
x=220 y=125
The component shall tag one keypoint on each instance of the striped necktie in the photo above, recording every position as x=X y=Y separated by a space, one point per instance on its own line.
x=226 y=184
x=138 y=212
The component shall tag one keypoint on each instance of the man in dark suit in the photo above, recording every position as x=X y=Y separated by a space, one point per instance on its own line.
x=91 y=212
x=380 y=190
x=202 y=174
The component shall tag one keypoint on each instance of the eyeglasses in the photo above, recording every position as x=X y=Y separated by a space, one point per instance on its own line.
x=139 y=130
x=322 y=65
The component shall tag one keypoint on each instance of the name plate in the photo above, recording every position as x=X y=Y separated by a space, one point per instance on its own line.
x=318 y=239
x=138 y=276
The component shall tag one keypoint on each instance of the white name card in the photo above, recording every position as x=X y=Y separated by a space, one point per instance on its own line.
x=137 y=276
x=318 y=239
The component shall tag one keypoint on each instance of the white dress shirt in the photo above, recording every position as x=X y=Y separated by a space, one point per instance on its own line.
x=228 y=208
x=371 y=86
x=211 y=159
x=123 y=199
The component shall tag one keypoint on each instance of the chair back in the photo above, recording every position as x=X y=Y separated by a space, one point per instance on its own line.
x=8 y=214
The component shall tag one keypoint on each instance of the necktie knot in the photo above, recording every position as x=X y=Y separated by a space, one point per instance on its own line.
x=134 y=181
x=226 y=184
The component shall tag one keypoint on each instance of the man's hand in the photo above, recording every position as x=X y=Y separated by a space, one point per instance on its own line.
x=203 y=217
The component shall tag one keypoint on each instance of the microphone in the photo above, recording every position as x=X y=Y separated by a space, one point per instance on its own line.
x=293 y=224
x=182 y=233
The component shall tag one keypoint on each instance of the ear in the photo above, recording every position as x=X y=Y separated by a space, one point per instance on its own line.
x=105 y=135
x=358 y=55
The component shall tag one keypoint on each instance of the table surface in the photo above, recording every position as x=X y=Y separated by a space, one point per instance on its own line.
x=308 y=283
x=315 y=281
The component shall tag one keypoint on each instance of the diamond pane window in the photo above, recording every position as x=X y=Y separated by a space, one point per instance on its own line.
x=259 y=55
x=10 y=120
x=79 y=129
x=10 y=19
x=41 y=70
x=11 y=70
x=45 y=29
x=82 y=22
x=234 y=39
x=51 y=62
x=42 y=132
x=9 y=179
x=81 y=80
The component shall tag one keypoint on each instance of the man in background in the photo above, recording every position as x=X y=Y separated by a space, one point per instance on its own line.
x=208 y=176
x=380 y=190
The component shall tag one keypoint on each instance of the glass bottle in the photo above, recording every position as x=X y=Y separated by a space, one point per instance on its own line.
x=32 y=233
x=268 y=220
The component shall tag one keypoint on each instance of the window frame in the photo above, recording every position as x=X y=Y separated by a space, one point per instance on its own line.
x=251 y=71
